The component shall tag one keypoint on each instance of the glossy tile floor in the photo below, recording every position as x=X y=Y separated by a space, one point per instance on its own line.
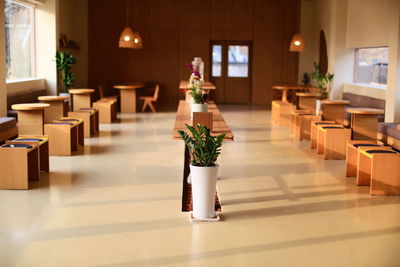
x=119 y=205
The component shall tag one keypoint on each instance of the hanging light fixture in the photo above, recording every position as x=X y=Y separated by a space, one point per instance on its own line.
x=129 y=38
x=297 y=43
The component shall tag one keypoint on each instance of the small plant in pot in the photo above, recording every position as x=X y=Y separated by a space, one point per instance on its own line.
x=199 y=95
x=204 y=150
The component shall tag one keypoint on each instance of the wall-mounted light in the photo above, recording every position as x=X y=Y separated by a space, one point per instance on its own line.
x=297 y=43
x=129 y=38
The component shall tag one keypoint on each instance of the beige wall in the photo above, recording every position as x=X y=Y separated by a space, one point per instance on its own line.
x=349 y=24
x=3 y=89
x=72 y=20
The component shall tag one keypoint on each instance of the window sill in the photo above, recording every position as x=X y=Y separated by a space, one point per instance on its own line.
x=16 y=81
x=370 y=85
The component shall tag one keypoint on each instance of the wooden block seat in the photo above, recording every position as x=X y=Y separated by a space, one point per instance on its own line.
x=352 y=154
x=295 y=120
x=314 y=131
x=332 y=140
x=107 y=110
x=379 y=169
x=42 y=142
x=305 y=121
x=389 y=133
x=281 y=111
x=79 y=124
x=63 y=138
x=19 y=163
x=90 y=120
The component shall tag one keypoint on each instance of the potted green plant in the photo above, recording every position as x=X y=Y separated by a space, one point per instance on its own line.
x=199 y=95
x=322 y=81
x=64 y=62
x=204 y=150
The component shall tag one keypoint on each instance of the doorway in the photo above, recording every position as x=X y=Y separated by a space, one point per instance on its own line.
x=231 y=71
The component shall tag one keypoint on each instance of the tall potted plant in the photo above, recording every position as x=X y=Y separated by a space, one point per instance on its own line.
x=204 y=150
x=199 y=95
x=322 y=81
x=64 y=62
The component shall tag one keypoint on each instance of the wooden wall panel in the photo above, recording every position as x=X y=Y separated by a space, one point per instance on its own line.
x=175 y=31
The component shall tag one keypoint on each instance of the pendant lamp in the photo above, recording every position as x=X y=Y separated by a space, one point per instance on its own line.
x=129 y=38
x=297 y=43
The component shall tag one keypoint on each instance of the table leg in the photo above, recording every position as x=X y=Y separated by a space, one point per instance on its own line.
x=364 y=126
x=284 y=95
x=54 y=112
x=30 y=122
x=81 y=101
x=128 y=101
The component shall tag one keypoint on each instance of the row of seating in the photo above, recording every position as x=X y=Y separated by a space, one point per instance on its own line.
x=49 y=129
x=369 y=158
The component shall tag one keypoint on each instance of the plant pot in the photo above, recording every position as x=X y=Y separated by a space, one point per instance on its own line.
x=204 y=182
x=198 y=108
x=318 y=106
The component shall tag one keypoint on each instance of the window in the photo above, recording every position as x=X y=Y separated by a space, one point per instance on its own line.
x=216 y=60
x=238 y=61
x=371 y=66
x=20 y=56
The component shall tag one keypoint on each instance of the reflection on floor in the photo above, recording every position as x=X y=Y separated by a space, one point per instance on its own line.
x=119 y=205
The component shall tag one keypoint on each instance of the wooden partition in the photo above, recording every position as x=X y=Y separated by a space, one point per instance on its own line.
x=176 y=31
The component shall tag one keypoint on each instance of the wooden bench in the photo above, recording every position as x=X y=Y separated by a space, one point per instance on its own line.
x=314 y=131
x=280 y=112
x=107 y=110
x=90 y=119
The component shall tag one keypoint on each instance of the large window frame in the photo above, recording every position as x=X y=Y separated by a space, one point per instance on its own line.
x=32 y=42
x=357 y=73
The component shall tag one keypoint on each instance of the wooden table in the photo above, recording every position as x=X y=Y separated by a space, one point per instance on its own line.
x=30 y=118
x=128 y=96
x=333 y=110
x=364 y=122
x=184 y=85
x=81 y=98
x=219 y=127
x=286 y=88
x=56 y=109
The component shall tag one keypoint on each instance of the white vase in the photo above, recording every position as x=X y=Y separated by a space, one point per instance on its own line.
x=204 y=182
x=197 y=108
x=318 y=107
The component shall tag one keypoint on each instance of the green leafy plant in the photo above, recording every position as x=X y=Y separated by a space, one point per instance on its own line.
x=322 y=80
x=198 y=96
x=204 y=149
x=64 y=62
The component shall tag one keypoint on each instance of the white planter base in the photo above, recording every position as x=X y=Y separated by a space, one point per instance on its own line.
x=215 y=219
x=197 y=108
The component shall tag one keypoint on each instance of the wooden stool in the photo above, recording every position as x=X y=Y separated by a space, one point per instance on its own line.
x=314 y=131
x=281 y=112
x=333 y=110
x=56 y=107
x=107 y=110
x=352 y=154
x=30 y=118
x=89 y=119
x=42 y=141
x=79 y=124
x=305 y=125
x=364 y=122
x=19 y=163
x=62 y=138
x=295 y=120
x=81 y=98
x=332 y=141
x=380 y=169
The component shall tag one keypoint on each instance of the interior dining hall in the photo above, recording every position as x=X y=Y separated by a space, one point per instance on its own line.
x=205 y=133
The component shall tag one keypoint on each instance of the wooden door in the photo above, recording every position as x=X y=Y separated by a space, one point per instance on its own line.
x=231 y=71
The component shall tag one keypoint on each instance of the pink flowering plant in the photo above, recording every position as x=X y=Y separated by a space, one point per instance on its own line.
x=196 y=89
